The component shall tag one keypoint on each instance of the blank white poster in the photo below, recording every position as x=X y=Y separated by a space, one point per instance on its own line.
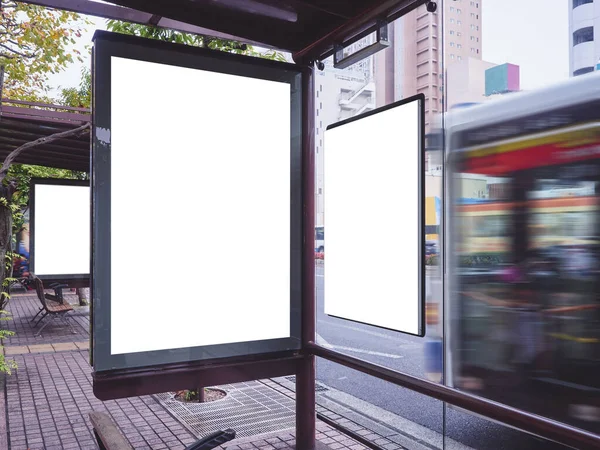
x=200 y=208
x=371 y=218
x=61 y=230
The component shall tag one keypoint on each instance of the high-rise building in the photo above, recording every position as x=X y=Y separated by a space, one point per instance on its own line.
x=584 y=36
x=414 y=66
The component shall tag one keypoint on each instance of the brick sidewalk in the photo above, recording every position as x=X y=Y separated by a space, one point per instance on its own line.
x=49 y=398
x=23 y=308
x=327 y=437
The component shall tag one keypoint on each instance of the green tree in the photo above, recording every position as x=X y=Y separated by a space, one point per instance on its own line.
x=35 y=42
x=196 y=40
x=80 y=96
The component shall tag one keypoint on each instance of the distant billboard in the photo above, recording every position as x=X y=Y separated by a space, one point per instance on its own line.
x=59 y=229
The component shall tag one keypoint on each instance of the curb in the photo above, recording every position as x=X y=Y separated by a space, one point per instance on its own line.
x=3 y=413
x=290 y=432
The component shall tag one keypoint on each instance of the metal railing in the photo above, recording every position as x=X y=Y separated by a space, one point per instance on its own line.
x=530 y=423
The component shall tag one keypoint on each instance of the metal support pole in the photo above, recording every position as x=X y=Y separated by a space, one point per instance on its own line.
x=305 y=378
x=201 y=395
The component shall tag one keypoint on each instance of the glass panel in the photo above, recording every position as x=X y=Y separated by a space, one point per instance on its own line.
x=387 y=414
x=523 y=224
x=475 y=432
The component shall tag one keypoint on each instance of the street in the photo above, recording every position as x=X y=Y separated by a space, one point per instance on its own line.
x=403 y=353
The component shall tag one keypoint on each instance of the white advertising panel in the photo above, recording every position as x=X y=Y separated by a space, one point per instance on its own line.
x=373 y=218
x=200 y=208
x=60 y=230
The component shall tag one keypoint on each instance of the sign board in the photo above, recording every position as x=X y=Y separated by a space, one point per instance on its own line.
x=59 y=229
x=196 y=182
x=374 y=210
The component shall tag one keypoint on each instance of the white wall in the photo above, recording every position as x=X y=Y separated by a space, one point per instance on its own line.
x=466 y=81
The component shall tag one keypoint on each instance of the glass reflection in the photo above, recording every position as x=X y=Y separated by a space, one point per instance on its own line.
x=524 y=205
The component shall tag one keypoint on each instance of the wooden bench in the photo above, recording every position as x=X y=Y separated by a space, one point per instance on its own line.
x=107 y=433
x=52 y=306
x=109 y=436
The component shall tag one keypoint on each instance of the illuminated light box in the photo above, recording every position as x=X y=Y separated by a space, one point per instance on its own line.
x=374 y=218
x=59 y=229
x=197 y=194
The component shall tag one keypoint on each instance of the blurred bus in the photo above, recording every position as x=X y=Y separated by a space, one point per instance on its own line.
x=523 y=311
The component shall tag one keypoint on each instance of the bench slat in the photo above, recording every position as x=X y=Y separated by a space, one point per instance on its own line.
x=108 y=432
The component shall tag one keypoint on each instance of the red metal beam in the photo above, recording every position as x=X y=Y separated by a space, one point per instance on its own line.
x=44 y=113
x=44 y=105
x=19 y=137
x=305 y=379
x=40 y=158
x=81 y=153
x=49 y=118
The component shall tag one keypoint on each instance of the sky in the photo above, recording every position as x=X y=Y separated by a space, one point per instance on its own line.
x=72 y=76
x=533 y=34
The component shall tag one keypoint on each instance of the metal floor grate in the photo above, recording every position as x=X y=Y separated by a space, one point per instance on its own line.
x=318 y=387
x=249 y=408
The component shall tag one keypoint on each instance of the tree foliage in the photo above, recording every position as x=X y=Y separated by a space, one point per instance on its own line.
x=6 y=366
x=196 y=40
x=80 y=96
x=35 y=42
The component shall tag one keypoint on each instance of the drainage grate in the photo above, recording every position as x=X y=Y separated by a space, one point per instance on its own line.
x=249 y=408
x=318 y=386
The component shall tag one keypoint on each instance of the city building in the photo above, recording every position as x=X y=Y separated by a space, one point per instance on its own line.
x=584 y=36
x=409 y=66
x=418 y=62
x=467 y=79
x=477 y=81
x=339 y=94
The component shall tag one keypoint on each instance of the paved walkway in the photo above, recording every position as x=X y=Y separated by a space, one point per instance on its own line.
x=49 y=397
x=326 y=436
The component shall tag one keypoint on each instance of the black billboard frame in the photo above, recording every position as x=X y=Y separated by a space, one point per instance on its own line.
x=106 y=46
x=420 y=99
x=73 y=280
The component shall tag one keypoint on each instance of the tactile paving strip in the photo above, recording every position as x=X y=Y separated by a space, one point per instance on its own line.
x=249 y=408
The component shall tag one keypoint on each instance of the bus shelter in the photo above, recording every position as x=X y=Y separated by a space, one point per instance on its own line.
x=138 y=364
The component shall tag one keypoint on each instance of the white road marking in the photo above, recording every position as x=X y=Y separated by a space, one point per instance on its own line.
x=397 y=339
x=321 y=341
